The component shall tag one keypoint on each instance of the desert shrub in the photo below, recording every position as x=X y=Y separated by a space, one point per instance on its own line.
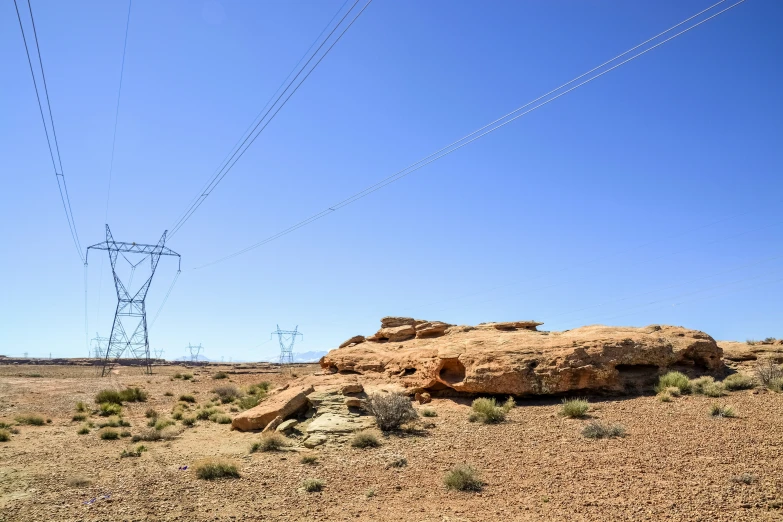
x=313 y=485
x=220 y=375
x=84 y=430
x=714 y=389
x=206 y=413
x=177 y=376
x=227 y=393
x=365 y=439
x=187 y=398
x=133 y=395
x=743 y=478
x=698 y=385
x=427 y=412
x=716 y=410
x=269 y=442
x=211 y=469
x=249 y=401
x=233 y=409
x=463 y=478
x=220 y=418
x=151 y=413
x=30 y=420
x=187 y=376
x=776 y=385
x=81 y=407
x=125 y=434
x=151 y=434
x=676 y=379
x=189 y=421
x=133 y=453
x=163 y=423
x=665 y=397
x=673 y=391
x=309 y=459
x=400 y=462
x=487 y=411
x=751 y=342
x=5 y=435
x=738 y=381
x=767 y=371
x=574 y=408
x=108 y=396
x=370 y=493
x=79 y=417
x=176 y=414
x=109 y=434
x=168 y=394
x=109 y=408
x=78 y=481
x=598 y=430
x=260 y=388
x=390 y=410
x=111 y=422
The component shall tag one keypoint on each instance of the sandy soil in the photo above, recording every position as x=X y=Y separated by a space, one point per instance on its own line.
x=676 y=463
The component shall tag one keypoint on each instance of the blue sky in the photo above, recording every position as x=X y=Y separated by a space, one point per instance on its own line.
x=651 y=195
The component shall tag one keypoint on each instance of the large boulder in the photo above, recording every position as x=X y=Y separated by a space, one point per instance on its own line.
x=516 y=359
x=283 y=404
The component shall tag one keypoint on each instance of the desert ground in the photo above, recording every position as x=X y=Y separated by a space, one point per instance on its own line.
x=676 y=462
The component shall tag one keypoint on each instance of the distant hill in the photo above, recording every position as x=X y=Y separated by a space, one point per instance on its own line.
x=303 y=357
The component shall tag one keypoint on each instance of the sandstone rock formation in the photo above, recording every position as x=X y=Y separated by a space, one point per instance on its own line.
x=282 y=405
x=514 y=358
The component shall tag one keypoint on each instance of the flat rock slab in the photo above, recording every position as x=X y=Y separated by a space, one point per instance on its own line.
x=283 y=404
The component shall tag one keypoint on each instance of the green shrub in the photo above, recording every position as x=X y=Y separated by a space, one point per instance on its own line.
x=81 y=407
x=79 y=417
x=309 y=459
x=261 y=388
x=151 y=413
x=220 y=418
x=163 y=423
x=125 y=433
x=487 y=411
x=227 y=393
x=108 y=396
x=676 y=379
x=133 y=453
x=313 y=485
x=211 y=469
x=177 y=376
x=664 y=397
x=84 y=430
x=714 y=389
x=189 y=421
x=187 y=398
x=463 y=478
x=133 y=395
x=598 y=430
x=574 y=408
x=716 y=410
x=111 y=422
x=269 y=442
x=390 y=410
x=247 y=402
x=365 y=439
x=427 y=412
x=220 y=375
x=187 y=376
x=776 y=385
x=109 y=434
x=206 y=413
x=698 y=385
x=738 y=381
x=109 y=408
x=152 y=434
x=5 y=435
x=30 y=420
x=673 y=391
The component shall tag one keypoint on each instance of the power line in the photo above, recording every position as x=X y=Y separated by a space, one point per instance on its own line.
x=479 y=133
x=250 y=139
x=165 y=298
x=54 y=150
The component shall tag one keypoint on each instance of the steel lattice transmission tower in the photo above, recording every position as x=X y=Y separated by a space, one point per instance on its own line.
x=129 y=331
x=194 y=352
x=158 y=353
x=99 y=345
x=287 y=339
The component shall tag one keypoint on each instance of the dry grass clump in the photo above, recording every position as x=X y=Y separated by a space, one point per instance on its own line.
x=311 y=460
x=716 y=410
x=81 y=407
x=674 y=379
x=738 y=381
x=211 y=469
x=107 y=409
x=206 y=413
x=390 y=410
x=79 y=417
x=120 y=396
x=30 y=420
x=5 y=435
x=574 y=408
x=151 y=413
x=270 y=442
x=365 y=439
x=78 y=481
x=220 y=418
x=463 y=478
x=598 y=430
x=227 y=393
x=487 y=410
x=84 y=430
x=161 y=424
x=220 y=375
x=189 y=421
x=313 y=485
x=665 y=396
x=187 y=398
x=109 y=434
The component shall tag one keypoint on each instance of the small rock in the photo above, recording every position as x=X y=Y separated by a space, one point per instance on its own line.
x=286 y=426
x=353 y=387
x=423 y=397
x=316 y=439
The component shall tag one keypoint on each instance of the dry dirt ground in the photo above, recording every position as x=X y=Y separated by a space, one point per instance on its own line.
x=676 y=462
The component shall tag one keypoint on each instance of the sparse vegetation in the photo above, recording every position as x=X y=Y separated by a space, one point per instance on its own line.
x=309 y=459
x=463 y=478
x=118 y=397
x=220 y=375
x=390 y=410
x=269 y=442
x=487 y=410
x=738 y=381
x=187 y=398
x=79 y=417
x=428 y=412
x=133 y=453
x=262 y=388
x=227 y=393
x=163 y=423
x=220 y=418
x=111 y=422
x=109 y=434
x=151 y=434
x=312 y=485
x=574 y=408
x=598 y=430
x=211 y=469
x=5 y=435
x=768 y=372
x=676 y=379
x=206 y=413
x=109 y=408
x=151 y=413
x=365 y=439
x=84 y=430
x=81 y=407
x=30 y=420
x=716 y=410
x=189 y=421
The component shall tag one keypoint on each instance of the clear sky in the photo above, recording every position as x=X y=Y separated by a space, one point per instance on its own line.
x=651 y=195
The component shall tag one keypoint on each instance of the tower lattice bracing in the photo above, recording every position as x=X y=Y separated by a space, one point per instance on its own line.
x=287 y=339
x=129 y=331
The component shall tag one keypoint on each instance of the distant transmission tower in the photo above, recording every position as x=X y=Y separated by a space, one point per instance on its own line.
x=99 y=345
x=194 y=352
x=287 y=339
x=158 y=353
x=131 y=310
